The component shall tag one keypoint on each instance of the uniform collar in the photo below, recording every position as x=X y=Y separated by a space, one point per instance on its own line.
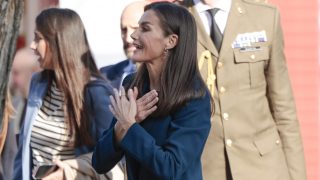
x=223 y=5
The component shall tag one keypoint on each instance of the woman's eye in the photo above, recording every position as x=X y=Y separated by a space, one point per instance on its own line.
x=144 y=29
x=37 y=38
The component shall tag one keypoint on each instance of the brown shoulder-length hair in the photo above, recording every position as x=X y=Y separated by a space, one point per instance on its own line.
x=73 y=65
x=180 y=79
x=8 y=113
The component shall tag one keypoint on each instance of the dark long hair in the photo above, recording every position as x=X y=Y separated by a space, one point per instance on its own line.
x=73 y=65
x=180 y=79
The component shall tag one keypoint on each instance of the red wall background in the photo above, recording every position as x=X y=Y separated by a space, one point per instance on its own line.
x=300 y=26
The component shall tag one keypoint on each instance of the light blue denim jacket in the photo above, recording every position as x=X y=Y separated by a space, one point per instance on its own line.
x=97 y=94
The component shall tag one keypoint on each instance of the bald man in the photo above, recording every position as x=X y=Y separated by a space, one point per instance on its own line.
x=129 y=23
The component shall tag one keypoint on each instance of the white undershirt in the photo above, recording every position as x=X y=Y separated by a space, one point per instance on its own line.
x=221 y=17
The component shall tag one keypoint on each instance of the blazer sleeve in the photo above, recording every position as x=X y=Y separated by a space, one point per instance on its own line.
x=17 y=171
x=187 y=134
x=106 y=155
x=97 y=99
x=283 y=106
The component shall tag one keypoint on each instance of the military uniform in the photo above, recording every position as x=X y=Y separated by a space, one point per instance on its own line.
x=255 y=125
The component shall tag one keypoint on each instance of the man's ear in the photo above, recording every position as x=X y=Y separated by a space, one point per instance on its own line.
x=172 y=41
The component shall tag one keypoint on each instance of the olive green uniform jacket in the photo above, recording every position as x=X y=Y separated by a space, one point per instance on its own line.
x=255 y=124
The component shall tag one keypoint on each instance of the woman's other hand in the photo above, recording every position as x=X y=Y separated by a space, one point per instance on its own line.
x=127 y=110
x=146 y=104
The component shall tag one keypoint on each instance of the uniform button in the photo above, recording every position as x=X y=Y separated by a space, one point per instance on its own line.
x=222 y=89
x=211 y=119
x=225 y=116
x=229 y=142
x=220 y=64
x=252 y=56
x=240 y=10
x=277 y=142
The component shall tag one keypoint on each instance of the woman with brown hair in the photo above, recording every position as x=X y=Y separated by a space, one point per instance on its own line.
x=169 y=143
x=7 y=113
x=8 y=143
x=66 y=111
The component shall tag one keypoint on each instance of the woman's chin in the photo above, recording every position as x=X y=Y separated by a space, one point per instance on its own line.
x=136 y=59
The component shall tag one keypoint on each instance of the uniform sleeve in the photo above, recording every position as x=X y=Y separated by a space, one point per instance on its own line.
x=187 y=134
x=283 y=106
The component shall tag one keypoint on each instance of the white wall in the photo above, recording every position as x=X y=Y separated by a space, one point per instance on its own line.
x=102 y=22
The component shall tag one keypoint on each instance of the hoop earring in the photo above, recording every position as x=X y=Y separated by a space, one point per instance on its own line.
x=165 y=51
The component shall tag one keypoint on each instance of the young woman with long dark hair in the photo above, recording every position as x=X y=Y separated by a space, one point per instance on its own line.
x=66 y=111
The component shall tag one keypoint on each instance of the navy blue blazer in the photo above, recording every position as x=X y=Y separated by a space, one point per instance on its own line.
x=164 y=148
x=114 y=73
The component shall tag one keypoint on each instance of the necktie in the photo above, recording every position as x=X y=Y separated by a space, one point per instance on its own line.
x=215 y=33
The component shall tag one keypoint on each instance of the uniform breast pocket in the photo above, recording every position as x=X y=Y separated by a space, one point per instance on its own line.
x=256 y=59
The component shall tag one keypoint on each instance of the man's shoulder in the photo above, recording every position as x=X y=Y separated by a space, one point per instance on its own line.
x=114 y=71
x=258 y=3
x=118 y=66
x=250 y=4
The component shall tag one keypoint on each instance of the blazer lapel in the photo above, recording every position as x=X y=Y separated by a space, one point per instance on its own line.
x=233 y=27
x=39 y=88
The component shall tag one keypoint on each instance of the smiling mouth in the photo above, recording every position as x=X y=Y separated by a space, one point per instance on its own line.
x=131 y=48
x=137 y=46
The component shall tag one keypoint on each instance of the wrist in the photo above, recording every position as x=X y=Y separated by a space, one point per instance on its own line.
x=126 y=126
x=120 y=131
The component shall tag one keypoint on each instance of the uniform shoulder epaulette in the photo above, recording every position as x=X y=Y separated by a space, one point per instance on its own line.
x=260 y=3
x=257 y=1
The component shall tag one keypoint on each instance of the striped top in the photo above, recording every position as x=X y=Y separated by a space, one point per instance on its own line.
x=50 y=138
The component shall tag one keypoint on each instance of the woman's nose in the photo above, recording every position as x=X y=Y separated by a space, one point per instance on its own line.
x=33 y=45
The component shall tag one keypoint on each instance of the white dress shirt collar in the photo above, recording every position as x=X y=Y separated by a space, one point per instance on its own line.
x=221 y=17
x=223 y=5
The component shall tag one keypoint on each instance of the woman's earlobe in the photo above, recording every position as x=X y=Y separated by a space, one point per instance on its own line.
x=173 y=41
x=165 y=50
